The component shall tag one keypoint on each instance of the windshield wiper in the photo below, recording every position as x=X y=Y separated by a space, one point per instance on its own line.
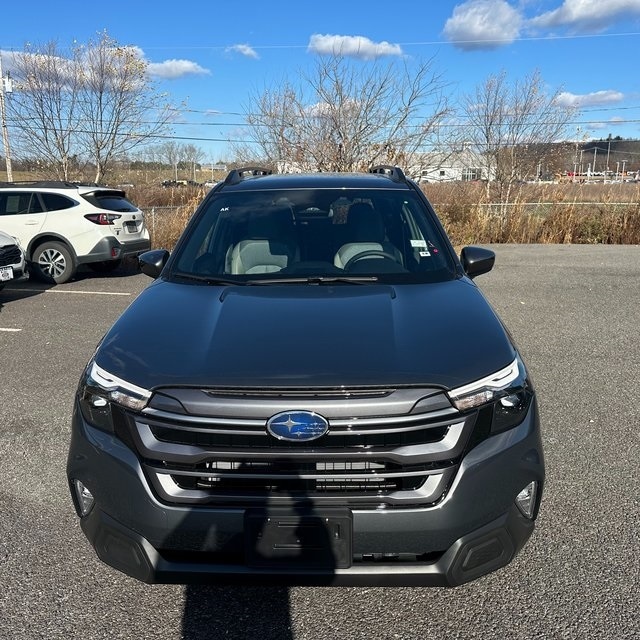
x=316 y=280
x=206 y=279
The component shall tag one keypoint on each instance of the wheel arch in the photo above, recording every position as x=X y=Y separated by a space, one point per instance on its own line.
x=50 y=237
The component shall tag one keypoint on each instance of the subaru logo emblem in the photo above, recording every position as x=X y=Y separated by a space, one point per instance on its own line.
x=297 y=426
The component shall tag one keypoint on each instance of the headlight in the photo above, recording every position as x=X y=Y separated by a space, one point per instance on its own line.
x=99 y=389
x=509 y=391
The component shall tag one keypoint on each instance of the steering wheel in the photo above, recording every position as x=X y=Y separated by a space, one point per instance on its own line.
x=367 y=254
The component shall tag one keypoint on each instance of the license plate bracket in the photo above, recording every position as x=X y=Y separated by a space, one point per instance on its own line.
x=291 y=539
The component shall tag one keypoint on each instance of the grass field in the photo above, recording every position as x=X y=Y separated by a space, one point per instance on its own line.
x=553 y=213
x=576 y=213
x=547 y=214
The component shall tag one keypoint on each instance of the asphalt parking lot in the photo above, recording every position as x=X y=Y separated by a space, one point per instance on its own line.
x=574 y=312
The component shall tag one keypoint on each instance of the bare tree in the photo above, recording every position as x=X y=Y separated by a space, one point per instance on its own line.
x=118 y=103
x=44 y=104
x=97 y=104
x=192 y=157
x=169 y=153
x=347 y=115
x=511 y=128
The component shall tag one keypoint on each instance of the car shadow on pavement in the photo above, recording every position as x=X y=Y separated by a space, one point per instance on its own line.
x=276 y=536
x=21 y=290
x=236 y=613
x=127 y=269
x=28 y=287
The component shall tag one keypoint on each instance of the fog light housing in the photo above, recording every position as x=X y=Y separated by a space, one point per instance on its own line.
x=526 y=500
x=84 y=498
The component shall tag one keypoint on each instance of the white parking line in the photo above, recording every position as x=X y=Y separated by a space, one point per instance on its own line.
x=9 y=330
x=92 y=293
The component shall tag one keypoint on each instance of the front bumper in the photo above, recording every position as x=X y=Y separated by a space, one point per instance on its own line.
x=479 y=552
x=474 y=530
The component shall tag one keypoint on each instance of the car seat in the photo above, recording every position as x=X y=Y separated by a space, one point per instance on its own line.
x=365 y=232
x=270 y=244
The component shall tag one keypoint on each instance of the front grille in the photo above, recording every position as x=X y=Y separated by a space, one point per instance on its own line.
x=384 y=448
x=277 y=485
x=213 y=439
x=10 y=255
x=293 y=477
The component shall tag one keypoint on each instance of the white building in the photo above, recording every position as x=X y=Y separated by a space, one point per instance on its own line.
x=462 y=166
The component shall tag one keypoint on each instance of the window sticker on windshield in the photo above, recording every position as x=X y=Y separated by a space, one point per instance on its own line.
x=419 y=244
x=425 y=254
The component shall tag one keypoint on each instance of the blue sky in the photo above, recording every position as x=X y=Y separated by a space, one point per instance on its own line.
x=214 y=55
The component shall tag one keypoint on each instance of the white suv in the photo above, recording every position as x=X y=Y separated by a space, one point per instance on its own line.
x=12 y=262
x=62 y=225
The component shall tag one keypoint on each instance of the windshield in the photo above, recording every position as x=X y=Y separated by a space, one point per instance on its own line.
x=314 y=235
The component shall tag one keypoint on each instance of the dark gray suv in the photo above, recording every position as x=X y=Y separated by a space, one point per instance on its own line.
x=312 y=391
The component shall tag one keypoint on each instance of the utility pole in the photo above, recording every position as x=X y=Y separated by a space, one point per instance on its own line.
x=5 y=87
x=575 y=160
x=581 y=168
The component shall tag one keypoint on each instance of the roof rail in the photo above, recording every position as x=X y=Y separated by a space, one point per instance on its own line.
x=236 y=175
x=51 y=184
x=395 y=173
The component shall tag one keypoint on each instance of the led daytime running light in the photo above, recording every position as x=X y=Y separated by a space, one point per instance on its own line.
x=118 y=390
x=484 y=390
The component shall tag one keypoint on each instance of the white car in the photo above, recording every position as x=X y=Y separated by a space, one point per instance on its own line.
x=12 y=262
x=62 y=225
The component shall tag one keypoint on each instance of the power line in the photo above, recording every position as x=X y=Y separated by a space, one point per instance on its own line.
x=419 y=43
x=449 y=125
x=169 y=137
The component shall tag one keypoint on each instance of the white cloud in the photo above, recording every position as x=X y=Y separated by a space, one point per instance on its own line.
x=168 y=70
x=136 y=51
x=483 y=24
x=352 y=46
x=324 y=109
x=245 y=50
x=172 y=69
x=588 y=15
x=604 y=125
x=597 y=98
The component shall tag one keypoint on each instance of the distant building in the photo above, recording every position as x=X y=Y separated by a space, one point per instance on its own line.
x=448 y=167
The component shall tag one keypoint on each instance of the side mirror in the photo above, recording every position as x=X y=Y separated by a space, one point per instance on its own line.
x=152 y=263
x=476 y=260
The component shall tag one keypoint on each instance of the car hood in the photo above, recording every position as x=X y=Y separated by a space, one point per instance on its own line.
x=443 y=334
x=6 y=240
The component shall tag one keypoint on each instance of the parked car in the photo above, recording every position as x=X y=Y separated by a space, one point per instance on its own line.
x=62 y=225
x=12 y=261
x=308 y=398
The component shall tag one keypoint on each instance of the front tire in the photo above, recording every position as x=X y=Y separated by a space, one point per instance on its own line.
x=53 y=263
